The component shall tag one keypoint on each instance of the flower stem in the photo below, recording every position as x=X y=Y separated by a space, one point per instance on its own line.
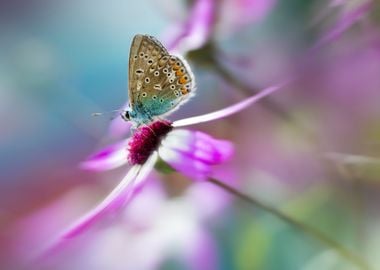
x=323 y=238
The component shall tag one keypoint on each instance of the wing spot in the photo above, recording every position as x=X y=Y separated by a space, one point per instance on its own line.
x=161 y=100
x=156 y=73
x=165 y=70
x=182 y=80
x=144 y=94
x=154 y=97
x=146 y=56
x=180 y=72
x=172 y=86
x=150 y=61
x=169 y=74
x=135 y=57
x=157 y=87
x=184 y=91
x=141 y=55
x=171 y=80
x=139 y=71
x=147 y=80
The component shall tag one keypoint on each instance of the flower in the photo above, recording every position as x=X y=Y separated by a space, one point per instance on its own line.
x=191 y=153
x=195 y=30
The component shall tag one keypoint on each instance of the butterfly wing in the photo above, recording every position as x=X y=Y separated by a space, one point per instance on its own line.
x=145 y=51
x=160 y=82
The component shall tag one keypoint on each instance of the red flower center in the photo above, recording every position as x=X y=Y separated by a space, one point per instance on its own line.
x=146 y=140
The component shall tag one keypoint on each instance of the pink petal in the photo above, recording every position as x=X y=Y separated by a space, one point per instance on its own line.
x=193 y=153
x=108 y=158
x=114 y=201
x=346 y=22
x=235 y=14
x=195 y=30
x=229 y=110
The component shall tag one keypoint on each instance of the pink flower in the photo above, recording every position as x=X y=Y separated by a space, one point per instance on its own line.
x=192 y=153
x=195 y=30
x=205 y=15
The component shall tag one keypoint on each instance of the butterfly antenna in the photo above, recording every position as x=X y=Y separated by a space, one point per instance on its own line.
x=95 y=114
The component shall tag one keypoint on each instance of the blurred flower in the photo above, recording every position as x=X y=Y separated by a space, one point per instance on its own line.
x=235 y=14
x=190 y=153
x=195 y=30
x=198 y=26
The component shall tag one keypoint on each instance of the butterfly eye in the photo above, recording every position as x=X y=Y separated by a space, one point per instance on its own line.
x=126 y=116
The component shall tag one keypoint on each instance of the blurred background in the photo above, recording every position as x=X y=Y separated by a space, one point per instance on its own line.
x=311 y=150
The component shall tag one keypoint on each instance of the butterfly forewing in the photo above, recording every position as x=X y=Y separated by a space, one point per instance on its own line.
x=145 y=52
x=158 y=82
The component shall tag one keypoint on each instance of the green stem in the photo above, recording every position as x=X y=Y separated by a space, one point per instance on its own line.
x=342 y=250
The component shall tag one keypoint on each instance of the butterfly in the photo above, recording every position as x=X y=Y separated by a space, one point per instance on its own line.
x=158 y=83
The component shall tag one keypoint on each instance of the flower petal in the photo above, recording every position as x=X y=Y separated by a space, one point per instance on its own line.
x=345 y=22
x=108 y=158
x=114 y=201
x=116 y=198
x=193 y=153
x=229 y=110
x=195 y=30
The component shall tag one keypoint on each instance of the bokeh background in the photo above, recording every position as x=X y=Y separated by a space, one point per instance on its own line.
x=311 y=150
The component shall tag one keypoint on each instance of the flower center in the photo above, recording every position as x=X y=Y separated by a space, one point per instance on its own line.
x=146 y=140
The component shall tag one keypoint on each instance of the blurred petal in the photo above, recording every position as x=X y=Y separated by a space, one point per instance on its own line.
x=109 y=158
x=351 y=159
x=228 y=110
x=114 y=201
x=195 y=30
x=235 y=14
x=193 y=153
x=346 y=22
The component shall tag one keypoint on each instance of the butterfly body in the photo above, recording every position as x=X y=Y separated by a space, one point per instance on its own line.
x=158 y=82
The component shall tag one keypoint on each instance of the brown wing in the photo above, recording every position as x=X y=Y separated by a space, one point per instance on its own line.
x=145 y=53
